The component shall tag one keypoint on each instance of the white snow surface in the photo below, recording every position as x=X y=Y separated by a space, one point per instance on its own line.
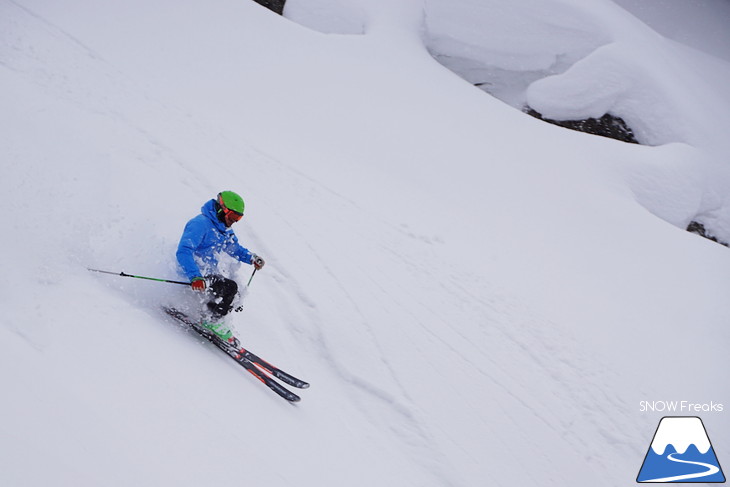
x=701 y=24
x=477 y=297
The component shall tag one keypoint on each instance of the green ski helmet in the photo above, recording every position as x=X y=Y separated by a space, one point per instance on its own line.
x=229 y=206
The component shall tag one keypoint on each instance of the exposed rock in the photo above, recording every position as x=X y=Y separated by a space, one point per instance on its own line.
x=273 y=5
x=699 y=229
x=606 y=126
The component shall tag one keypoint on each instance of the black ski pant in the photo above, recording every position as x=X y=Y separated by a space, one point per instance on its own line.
x=222 y=292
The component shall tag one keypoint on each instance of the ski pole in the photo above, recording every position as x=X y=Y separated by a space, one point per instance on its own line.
x=239 y=308
x=251 y=278
x=123 y=274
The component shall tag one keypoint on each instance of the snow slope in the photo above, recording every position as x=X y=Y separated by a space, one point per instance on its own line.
x=700 y=24
x=476 y=297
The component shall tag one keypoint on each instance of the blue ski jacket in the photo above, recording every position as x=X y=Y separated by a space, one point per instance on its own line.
x=204 y=237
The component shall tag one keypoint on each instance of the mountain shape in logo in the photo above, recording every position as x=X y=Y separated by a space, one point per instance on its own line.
x=681 y=452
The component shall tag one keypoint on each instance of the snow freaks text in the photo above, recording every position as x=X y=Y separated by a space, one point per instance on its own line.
x=681 y=407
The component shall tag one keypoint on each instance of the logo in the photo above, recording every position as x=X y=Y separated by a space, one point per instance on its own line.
x=681 y=452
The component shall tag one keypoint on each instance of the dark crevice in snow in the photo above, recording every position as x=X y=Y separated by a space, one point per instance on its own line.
x=510 y=86
x=607 y=126
x=699 y=229
x=273 y=5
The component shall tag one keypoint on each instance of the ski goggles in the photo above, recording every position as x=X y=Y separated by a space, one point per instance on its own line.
x=231 y=215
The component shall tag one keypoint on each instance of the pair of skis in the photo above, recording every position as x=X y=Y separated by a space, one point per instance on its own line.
x=259 y=368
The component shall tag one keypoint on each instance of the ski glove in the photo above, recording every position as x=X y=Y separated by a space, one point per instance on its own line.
x=198 y=284
x=257 y=261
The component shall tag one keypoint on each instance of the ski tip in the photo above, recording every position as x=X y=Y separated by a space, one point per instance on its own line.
x=291 y=397
x=304 y=385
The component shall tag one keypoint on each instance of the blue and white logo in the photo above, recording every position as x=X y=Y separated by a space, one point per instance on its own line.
x=681 y=452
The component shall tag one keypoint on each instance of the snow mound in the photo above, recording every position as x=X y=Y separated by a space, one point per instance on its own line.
x=329 y=17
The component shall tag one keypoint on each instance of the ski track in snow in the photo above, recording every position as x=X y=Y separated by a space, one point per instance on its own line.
x=394 y=410
x=500 y=328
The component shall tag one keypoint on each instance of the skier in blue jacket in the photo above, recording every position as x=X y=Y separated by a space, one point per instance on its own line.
x=204 y=238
